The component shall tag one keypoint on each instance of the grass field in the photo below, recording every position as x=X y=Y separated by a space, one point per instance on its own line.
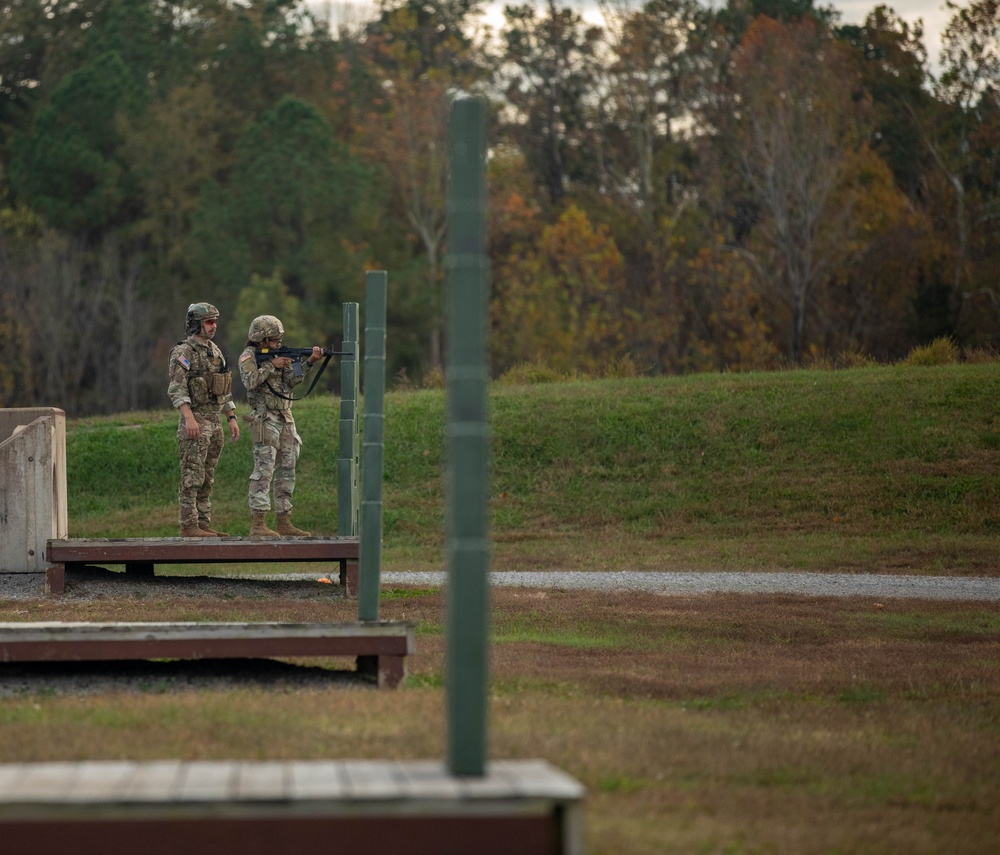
x=698 y=724
x=883 y=469
x=716 y=723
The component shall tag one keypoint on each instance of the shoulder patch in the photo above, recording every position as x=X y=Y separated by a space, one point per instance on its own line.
x=246 y=356
x=183 y=360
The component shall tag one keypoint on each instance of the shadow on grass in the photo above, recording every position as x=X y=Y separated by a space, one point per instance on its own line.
x=158 y=677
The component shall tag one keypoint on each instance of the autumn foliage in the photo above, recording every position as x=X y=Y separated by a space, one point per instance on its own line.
x=689 y=188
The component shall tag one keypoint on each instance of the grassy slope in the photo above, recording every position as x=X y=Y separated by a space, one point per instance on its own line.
x=890 y=469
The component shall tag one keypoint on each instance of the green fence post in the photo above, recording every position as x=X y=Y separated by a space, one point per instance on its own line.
x=347 y=463
x=468 y=442
x=370 y=555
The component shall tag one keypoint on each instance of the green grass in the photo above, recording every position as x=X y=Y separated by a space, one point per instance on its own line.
x=883 y=469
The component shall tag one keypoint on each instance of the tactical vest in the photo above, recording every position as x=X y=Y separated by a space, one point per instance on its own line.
x=210 y=380
x=273 y=394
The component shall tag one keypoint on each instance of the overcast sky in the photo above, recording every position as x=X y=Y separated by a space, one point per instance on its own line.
x=934 y=14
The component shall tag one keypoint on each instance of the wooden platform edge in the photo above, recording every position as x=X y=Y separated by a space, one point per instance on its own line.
x=116 y=807
x=199 y=550
x=379 y=648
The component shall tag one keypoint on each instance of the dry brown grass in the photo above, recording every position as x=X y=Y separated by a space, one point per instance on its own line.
x=715 y=723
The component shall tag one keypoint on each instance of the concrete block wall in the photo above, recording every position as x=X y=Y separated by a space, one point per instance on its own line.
x=33 y=501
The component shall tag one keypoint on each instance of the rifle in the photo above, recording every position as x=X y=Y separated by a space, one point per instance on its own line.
x=297 y=354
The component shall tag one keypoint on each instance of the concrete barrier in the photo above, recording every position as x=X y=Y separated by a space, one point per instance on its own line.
x=33 y=506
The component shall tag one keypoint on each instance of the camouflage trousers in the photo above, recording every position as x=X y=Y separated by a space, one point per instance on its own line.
x=198 y=458
x=275 y=449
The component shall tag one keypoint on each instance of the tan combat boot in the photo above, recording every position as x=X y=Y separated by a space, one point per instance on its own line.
x=211 y=532
x=259 y=527
x=286 y=529
x=193 y=531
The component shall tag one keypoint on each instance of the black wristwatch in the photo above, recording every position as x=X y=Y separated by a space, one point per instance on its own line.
x=232 y=417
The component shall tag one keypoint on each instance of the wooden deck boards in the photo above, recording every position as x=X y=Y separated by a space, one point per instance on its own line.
x=523 y=807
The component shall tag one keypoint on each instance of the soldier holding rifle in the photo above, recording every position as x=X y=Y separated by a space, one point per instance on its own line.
x=269 y=383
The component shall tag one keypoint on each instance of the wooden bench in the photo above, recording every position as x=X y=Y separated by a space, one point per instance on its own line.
x=231 y=807
x=141 y=555
x=379 y=647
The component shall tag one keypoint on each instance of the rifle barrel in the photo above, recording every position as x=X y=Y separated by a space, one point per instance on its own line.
x=296 y=353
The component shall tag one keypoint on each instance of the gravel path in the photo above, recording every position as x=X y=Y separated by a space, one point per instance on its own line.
x=96 y=582
x=812 y=584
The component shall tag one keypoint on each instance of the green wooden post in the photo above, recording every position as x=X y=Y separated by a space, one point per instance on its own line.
x=347 y=463
x=370 y=546
x=468 y=442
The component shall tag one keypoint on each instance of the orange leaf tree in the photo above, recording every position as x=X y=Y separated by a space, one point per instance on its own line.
x=563 y=302
x=800 y=124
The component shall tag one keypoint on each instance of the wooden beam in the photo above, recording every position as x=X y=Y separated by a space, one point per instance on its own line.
x=197 y=550
x=380 y=648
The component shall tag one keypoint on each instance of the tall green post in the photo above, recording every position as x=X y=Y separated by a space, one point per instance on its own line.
x=347 y=463
x=467 y=442
x=370 y=546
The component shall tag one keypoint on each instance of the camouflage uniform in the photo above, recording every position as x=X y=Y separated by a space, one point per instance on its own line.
x=199 y=376
x=276 y=443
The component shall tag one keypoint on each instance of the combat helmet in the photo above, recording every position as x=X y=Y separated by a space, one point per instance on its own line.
x=265 y=326
x=196 y=314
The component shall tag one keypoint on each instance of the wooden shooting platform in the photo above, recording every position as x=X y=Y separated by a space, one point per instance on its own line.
x=141 y=555
x=380 y=647
x=164 y=807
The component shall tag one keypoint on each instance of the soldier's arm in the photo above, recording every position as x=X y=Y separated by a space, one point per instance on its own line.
x=251 y=375
x=178 y=393
x=190 y=422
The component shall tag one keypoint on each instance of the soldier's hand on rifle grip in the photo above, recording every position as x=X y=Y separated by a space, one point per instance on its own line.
x=282 y=362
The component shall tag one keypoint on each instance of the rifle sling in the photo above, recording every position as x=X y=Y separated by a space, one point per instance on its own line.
x=312 y=385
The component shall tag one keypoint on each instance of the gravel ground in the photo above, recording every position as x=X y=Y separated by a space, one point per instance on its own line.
x=82 y=678
x=812 y=584
x=91 y=583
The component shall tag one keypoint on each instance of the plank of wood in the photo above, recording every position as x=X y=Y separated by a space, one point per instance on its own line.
x=50 y=641
x=232 y=807
x=199 y=550
x=333 y=785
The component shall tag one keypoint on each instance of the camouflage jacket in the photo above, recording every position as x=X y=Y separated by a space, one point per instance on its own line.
x=199 y=376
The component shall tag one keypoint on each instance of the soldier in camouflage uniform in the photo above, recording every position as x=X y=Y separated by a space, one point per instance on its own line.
x=200 y=388
x=275 y=441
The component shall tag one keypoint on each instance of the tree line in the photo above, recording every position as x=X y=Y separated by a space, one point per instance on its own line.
x=672 y=188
